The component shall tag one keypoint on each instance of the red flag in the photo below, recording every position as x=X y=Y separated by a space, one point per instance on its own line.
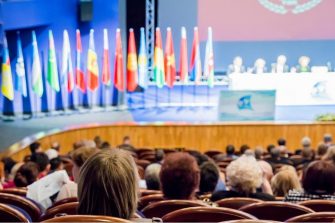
x=106 y=73
x=118 y=64
x=80 y=81
x=183 y=57
x=92 y=65
x=169 y=60
x=132 y=72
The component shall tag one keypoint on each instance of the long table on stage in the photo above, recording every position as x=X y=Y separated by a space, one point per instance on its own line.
x=292 y=88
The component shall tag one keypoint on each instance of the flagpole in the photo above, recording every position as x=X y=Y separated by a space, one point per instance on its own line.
x=208 y=94
x=143 y=98
x=182 y=94
x=169 y=96
x=194 y=91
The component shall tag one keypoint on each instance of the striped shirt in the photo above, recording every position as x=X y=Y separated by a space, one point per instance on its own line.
x=296 y=196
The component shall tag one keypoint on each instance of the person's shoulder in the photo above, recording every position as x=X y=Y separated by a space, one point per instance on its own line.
x=218 y=195
x=263 y=196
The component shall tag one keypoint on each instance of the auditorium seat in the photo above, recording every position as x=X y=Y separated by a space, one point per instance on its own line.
x=150 y=157
x=250 y=221
x=21 y=202
x=17 y=191
x=140 y=171
x=275 y=210
x=67 y=208
x=223 y=164
x=145 y=192
x=205 y=214
x=236 y=202
x=279 y=198
x=146 y=200
x=64 y=201
x=161 y=208
x=314 y=217
x=212 y=153
x=143 y=163
x=145 y=153
x=86 y=218
x=139 y=151
x=319 y=205
x=9 y=214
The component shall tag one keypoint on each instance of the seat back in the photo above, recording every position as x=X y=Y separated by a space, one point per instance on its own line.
x=9 y=214
x=146 y=200
x=21 y=202
x=212 y=153
x=314 y=217
x=205 y=214
x=271 y=210
x=64 y=201
x=236 y=202
x=87 y=218
x=67 y=208
x=319 y=205
x=161 y=208
x=16 y=191
x=145 y=192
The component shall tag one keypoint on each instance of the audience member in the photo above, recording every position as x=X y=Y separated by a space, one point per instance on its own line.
x=112 y=188
x=159 y=155
x=55 y=146
x=327 y=139
x=280 y=66
x=330 y=155
x=126 y=145
x=52 y=153
x=259 y=153
x=244 y=176
x=277 y=159
x=98 y=141
x=230 y=152
x=42 y=161
x=270 y=147
x=318 y=183
x=84 y=143
x=26 y=174
x=8 y=165
x=321 y=150
x=244 y=148
x=105 y=145
x=306 y=142
x=284 y=181
x=209 y=177
x=303 y=64
x=35 y=147
x=179 y=176
x=151 y=176
x=56 y=164
x=237 y=66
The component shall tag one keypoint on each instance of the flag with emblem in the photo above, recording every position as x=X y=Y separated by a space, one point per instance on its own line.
x=143 y=62
x=169 y=60
x=80 y=79
x=132 y=72
x=158 y=60
x=7 y=79
x=118 y=63
x=209 y=59
x=67 y=69
x=20 y=78
x=106 y=72
x=183 y=57
x=92 y=65
x=36 y=72
x=195 y=66
x=52 y=75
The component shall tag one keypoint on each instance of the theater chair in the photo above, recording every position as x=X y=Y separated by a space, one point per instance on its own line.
x=236 y=202
x=146 y=200
x=145 y=192
x=314 y=217
x=161 y=208
x=9 y=214
x=140 y=171
x=21 y=202
x=17 y=191
x=212 y=153
x=143 y=163
x=275 y=210
x=67 y=209
x=87 y=218
x=64 y=201
x=319 y=205
x=205 y=214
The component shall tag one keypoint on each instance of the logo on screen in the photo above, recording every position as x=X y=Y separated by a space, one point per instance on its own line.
x=244 y=103
x=319 y=90
x=289 y=6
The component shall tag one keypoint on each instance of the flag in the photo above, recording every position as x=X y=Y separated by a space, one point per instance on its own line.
x=106 y=72
x=118 y=64
x=209 y=59
x=80 y=80
x=20 y=80
x=92 y=65
x=7 y=79
x=67 y=69
x=183 y=57
x=132 y=72
x=36 y=72
x=195 y=65
x=158 y=60
x=52 y=75
x=142 y=62
x=169 y=60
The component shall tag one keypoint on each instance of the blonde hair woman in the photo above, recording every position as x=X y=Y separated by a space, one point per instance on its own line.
x=108 y=185
x=330 y=154
x=284 y=181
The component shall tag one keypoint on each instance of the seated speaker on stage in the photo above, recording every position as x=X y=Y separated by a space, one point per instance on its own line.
x=304 y=64
x=237 y=66
x=280 y=66
x=259 y=66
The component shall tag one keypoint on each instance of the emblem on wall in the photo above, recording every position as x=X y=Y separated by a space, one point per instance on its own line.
x=289 y=6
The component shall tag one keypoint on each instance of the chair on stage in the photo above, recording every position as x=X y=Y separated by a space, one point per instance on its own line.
x=236 y=202
x=64 y=201
x=146 y=200
x=205 y=214
x=319 y=205
x=10 y=214
x=63 y=209
x=161 y=208
x=314 y=217
x=25 y=204
x=275 y=210
x=17 y=191
x=87 y=218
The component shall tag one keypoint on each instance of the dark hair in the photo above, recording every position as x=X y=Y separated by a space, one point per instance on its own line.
x=244 y=148
x=179 y=176
x=105 y=145
x=322 y=149
x=9 y=163
x=41 y=159
x=298 y=152
x=327 y=138
x=55 y=163
x=26 y=174
x=275 y=152
x=230 y=149
x=319 y=178
x=209 y=177
x=281 y=142
x=98 y=141
x=200 y=158
x=34 y=147
x=159 y=155
x=79 y=156
x=270 y=147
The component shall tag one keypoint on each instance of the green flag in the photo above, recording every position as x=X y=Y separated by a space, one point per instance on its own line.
x=52 y=76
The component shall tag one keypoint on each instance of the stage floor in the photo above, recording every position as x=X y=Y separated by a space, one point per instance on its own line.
x=14 y=131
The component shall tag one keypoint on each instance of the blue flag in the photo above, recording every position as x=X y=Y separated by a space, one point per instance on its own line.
x=142 y=62
x=20 y=72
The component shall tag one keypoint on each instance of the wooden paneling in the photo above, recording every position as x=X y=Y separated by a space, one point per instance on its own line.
x=199 y=137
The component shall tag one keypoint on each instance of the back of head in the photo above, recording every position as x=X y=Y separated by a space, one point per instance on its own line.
x=327 y=138
x=259 y=153
x=41 y=159
x=330 y=154
x=322 y=149
x=55 y=164
x=270 y=147
x=306 y=142
x=151 y=176
x=307 y=153
x=281 y=142
x=8 y=164
x=199 y=157
x=159 y=155
x=244 y=148
x=275 y=152
x=108 y=185
x=79 y=156
x=35 y=147
x=284 y=181
x=209 y=177
x=26 y=174
x=98 y=141
x=179 y=176
x=230 y=149
x=318 y=178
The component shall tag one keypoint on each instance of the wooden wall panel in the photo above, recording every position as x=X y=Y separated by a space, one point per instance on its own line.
x=199 y=137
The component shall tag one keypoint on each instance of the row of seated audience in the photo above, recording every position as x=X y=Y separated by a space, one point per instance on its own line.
x=107 y=181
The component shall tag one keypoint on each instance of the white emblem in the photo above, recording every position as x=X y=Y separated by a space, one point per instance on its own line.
x=289 y=6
